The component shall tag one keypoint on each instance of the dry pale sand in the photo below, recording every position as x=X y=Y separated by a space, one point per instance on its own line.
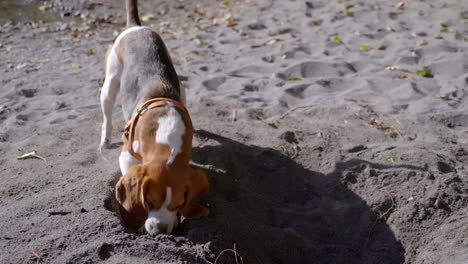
x=316 y=150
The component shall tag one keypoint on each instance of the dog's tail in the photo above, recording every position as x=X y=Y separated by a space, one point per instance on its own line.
x=132 y=13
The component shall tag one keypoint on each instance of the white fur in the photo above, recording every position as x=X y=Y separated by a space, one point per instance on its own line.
x=126 y=160
x=111 y=88
x=162 y=217
x=170 y=131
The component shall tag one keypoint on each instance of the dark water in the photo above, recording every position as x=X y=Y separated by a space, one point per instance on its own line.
x=25 y=11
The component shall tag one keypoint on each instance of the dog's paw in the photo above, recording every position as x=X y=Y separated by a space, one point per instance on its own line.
x=105 y=144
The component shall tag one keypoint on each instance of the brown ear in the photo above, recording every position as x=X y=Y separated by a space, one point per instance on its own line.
x=126 y=189
x=120 y=191
x=152 y=194
x=198 y=185
x=127 y=193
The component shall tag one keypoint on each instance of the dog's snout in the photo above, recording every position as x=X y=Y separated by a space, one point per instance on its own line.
x=154 y=227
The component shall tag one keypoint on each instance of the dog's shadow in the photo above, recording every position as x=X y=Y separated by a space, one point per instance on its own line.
x=276 y=211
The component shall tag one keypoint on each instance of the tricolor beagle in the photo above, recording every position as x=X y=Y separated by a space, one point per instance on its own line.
x=157 y=180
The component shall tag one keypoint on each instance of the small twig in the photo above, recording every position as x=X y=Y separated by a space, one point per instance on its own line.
x=382 y=216
x=208 y=167
x=235 y=254
x=38 y=258
x=234 y=116
x=293 y=109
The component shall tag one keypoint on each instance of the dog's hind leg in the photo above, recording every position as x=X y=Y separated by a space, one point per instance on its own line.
x=109 y=92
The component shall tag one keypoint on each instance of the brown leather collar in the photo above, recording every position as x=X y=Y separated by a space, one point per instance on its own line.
x=129 y=131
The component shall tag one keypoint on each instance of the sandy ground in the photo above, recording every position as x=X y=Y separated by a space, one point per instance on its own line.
x=323 y=143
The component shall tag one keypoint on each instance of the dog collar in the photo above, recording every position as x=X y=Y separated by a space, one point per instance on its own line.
x=129 y=131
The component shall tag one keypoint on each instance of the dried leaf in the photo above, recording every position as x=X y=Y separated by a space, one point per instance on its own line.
x=295 y=79
x=30 y=155
x=396 y=68
x=272 y=41
x=421 y=42
x=91 y=52
x=400 y=5
x=227 y=3
x=365 y=48
x=392 y=159
x=231 y=22
x=349 y=13
x=147 y=17
x=425 y=73
x=75 y=34
x=215 y=21
x=199 y=42
x=337 y=39
x=43 y=7
x=199 y=12
x=75 y=66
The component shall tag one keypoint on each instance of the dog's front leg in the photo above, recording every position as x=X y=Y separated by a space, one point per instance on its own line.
x=109 y=92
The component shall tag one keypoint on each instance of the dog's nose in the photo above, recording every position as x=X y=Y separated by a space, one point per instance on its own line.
x=162 y=228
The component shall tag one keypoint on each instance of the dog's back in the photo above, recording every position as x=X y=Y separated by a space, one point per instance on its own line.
x=147 y=70
x=147 y=67
x=139 y=67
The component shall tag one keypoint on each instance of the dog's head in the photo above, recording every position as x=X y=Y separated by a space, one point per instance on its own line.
x=151 y=195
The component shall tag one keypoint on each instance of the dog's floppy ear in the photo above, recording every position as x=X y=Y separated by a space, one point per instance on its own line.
x=120 y=191
x=197 y=185
x=152 y=194
x=126 y=189
x=127 y=194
